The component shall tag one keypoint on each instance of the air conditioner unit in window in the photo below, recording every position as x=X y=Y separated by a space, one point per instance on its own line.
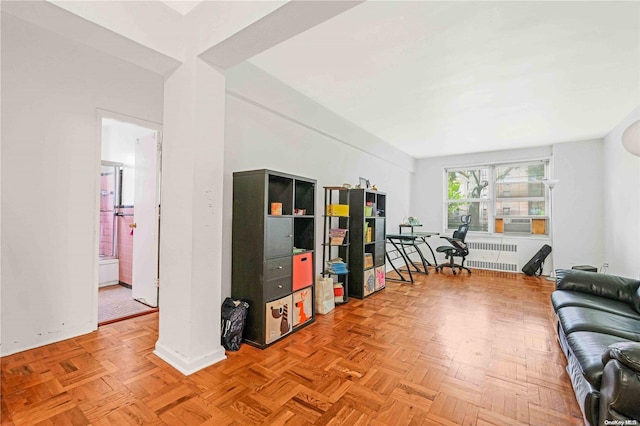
x=517 y=225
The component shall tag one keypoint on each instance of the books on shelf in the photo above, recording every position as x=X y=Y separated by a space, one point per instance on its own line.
x=337 y=266
x=337 y=236
x=368 y=260
x=367 y=233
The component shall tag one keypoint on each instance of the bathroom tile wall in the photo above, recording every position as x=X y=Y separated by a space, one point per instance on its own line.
x=106 y=215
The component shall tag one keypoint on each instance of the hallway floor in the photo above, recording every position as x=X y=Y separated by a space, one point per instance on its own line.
x=115 y=303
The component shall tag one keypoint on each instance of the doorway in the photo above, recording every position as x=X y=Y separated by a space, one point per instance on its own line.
x=128 y=237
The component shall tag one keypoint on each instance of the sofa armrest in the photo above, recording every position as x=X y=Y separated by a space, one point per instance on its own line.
x=603 y=285
x=627 y=353
x=620 y=386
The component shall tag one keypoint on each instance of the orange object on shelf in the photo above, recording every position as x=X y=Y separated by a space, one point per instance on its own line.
x=276 y=209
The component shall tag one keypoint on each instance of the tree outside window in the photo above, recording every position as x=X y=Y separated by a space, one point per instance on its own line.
x=489 y=192
x=468 y=194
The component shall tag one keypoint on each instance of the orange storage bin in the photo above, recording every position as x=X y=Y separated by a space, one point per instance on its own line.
x=302 y=270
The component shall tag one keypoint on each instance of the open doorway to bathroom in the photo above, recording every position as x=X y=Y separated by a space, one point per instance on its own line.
x=129 y=196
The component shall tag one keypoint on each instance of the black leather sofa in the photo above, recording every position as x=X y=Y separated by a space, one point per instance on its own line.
x=598 y=320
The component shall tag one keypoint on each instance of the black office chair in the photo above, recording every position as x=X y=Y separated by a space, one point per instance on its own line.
x=458 y=247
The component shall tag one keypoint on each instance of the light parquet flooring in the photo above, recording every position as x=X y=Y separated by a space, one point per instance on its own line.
x=447 y=350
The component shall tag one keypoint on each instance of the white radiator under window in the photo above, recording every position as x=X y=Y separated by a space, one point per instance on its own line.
x=494 y=256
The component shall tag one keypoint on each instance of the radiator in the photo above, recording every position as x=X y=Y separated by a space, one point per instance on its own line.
x=494 y=256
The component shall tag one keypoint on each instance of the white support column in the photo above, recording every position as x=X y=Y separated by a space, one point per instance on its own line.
x=191 y=212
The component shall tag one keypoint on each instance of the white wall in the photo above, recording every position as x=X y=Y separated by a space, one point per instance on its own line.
x=51 y=88
x=578 y=167
x=578 y=209
x=622 y=203
x=301 y=137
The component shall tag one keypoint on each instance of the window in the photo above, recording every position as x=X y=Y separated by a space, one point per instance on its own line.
x=495 y=192
x=520 y=190
x=468 y=193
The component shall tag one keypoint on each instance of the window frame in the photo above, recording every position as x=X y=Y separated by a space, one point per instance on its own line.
x=479 y=200
x=492 y=198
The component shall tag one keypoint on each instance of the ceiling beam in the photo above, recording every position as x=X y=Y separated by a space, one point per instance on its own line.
x=74 y=27
x=283 y=23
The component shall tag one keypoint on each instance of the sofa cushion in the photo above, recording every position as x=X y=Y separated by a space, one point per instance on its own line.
x=588 y=348
x=609 y=286
x=635 y=300
x=577 y=318
x=562 y=298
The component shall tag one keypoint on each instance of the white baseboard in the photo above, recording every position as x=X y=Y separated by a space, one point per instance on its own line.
x=43 y=339
x=189 y=365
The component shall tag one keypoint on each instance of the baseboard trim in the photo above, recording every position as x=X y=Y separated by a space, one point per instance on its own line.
x=185 y=365
x=49 y=338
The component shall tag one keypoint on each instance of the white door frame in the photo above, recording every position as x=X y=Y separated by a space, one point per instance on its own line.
x=100 y=115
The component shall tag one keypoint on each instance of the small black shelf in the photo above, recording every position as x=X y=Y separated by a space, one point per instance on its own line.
x=336 y=195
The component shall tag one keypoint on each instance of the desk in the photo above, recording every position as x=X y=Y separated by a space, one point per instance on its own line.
x=423 y=236
x=398 y=241
x=407 y=225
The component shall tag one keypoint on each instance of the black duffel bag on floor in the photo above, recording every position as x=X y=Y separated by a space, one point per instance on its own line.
x=234 y=314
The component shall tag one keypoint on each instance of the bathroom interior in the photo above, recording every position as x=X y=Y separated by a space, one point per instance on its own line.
x=117 y=222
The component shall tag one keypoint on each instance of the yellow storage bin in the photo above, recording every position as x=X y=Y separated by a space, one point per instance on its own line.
x=337 y=210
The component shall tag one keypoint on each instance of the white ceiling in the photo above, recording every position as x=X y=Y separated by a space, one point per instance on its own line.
x=440 y=78
x=182 y=6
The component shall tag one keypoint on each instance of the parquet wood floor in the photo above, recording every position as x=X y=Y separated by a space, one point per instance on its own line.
x=447 y=350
